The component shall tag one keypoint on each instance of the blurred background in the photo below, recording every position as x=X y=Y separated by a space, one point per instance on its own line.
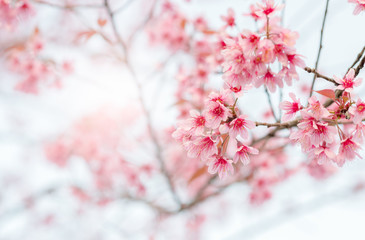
x=81 y=120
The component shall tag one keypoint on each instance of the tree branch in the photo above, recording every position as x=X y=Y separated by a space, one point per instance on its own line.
x=320 y=49
x=312 y=70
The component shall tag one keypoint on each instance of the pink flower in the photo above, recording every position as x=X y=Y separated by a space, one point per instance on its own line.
x=360 y=6
x=216 y=113
x=358 y=111
x=295 y=60
x=258 y=66
x=195 y=124
x=347 y=151
x=359 y=132
x=270 y=79
x=253 y=12
x=242 y=154
x=229 y=19
x=288 y=74
x=320 y=133
x=291 y=108
x=249 y=41
x=234 y=58
x=322 y=154
x=312 y=132
x=267 y=8
x=348 y=83
x=317 y=109
x=224 y=97
x=203 y=148
x=266 y=48
x=221 y=165
x=239 y=126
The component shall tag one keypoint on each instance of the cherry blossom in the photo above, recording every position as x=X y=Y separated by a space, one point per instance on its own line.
x=358 y=111
x=348 y=82
x=360 y=6
x=242 y=154
x=347 y=151
x=291 y=108
x=240 y=125
x=203 y=147
x=221 y=165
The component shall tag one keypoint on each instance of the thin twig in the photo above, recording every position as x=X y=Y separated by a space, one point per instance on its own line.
x=143 y=105
x=270 y=103
x=67 y=6
x=147 y=19
x=317 y=74
x=320 y=49
x=357 y=71
x=124 y=6
x=357 y=59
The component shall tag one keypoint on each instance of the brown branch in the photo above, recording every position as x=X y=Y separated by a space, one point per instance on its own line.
x=320 y=49
x=142 y=101
x=115 y=30
x=357 y=58
x=279 y=125
x=357 y=71
x=312 y=70
x=67 y=6
x=360 y=66
x=270 y=103
x=146 y=20
x=124 y=6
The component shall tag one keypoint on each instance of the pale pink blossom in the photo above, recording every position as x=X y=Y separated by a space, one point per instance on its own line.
x=202 y=147
x=295 y=60
x=320 y=133
x=322 y=154
x=221 y=165
x=239 y=126
x=316 y=108
x=249 y=41
x=242 y=154
x=347 y=151
x=266 y=48
x=360 y=6
x=229 y=19
x=358 y=111
x=215 y=114
x=359 y=133
x=234 y=58
x=348 y=82
x=195 y=124
x=288 y=74
x=269 y=79
x=267 y=8
x=224 y=97
x=290 y=108
x=253 y=12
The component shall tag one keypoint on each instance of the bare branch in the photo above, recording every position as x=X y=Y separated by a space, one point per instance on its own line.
x=312 y=70
x=320 y=49
x=270 y=103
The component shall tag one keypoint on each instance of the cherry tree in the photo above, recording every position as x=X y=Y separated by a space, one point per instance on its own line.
x=203 y=105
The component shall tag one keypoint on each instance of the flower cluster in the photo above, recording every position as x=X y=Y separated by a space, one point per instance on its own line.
x=98 y=139
x=251 y=57
x=319 y=132
x=27 y=60
x=218 y=131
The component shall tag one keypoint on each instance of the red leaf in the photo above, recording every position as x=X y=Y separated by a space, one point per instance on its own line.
x=198 y=173
x=101 y=22
x=328 y=93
